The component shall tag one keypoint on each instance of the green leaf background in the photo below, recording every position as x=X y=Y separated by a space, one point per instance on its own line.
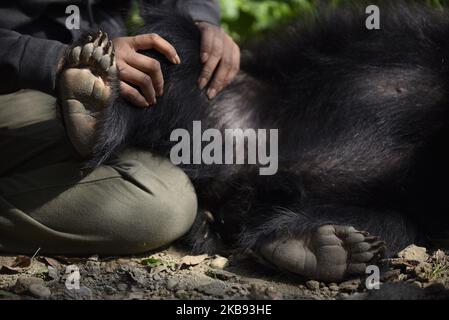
x=247 y=18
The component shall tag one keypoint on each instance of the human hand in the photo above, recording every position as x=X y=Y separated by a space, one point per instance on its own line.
x=220 y=55
x=140 y=70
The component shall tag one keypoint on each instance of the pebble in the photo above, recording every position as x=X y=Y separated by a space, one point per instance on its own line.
x=40 y=291
x=122 y=287
x=172 y=283
x=83 y=293
x=156 y=277
x=414 y=253
x=221 y=275
x=181 y=294
x=219 y=263
x=313 y=285
x=110 y=290
x=350 y=286
x=333 y=287
x=23 y=284
x=216 y=289
x=390 y=275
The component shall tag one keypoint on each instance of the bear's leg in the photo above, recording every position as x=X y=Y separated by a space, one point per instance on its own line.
x=86 y=86
x=327 y=243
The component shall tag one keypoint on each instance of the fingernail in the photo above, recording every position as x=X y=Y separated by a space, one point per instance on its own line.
x=177 y=60
x=202 y=83
x=204 y=57
x=211 y=93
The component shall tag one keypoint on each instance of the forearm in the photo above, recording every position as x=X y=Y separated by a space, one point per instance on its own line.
x=28 y=62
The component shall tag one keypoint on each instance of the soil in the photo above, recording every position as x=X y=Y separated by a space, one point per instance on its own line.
x=171 y=274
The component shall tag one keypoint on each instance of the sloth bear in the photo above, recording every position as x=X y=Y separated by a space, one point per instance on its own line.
x=363 y=123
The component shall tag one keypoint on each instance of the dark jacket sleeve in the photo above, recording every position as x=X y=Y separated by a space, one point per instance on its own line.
x=199 y=10
x=27 y=62
x=202 y=10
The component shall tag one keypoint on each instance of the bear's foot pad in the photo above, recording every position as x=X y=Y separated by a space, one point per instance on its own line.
x=85 y=88
x=329 y=253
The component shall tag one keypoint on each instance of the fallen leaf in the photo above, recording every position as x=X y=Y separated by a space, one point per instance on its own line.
x=192 y=260
x=20 y=264
x=51 y=262
x=151 y=262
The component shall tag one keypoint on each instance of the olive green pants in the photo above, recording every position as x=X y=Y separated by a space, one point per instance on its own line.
x=136 y=203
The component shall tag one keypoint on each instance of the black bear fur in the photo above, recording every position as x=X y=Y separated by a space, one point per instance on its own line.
x=363 y=119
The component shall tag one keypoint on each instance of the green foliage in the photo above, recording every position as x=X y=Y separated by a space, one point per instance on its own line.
x=134 y=21
x=151 y=262
x=246 y=18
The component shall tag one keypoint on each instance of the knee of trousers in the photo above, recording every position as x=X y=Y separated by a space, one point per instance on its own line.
x=165 y=202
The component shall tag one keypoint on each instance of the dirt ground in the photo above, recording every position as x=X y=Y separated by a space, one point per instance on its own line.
x=170 y=274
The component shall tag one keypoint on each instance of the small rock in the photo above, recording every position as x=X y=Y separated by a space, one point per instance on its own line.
x=135 y=296
x=273 y=294
x=83 y=293
x=390 y=275
x=333 y=287
x=313 y=285
x=216 y=289
x=138 y=275
x=219 y=263
x=181 y=294
x=350 y=286
x=94 y=258
x=172 y=283
x=221 y=274
x=423 y=267
x=414 y=253
x=39 y=291
x=110 y=290
x=157 y=277
x=158 y=269
x=188 y=261
x=122 y=287
x=23 y=284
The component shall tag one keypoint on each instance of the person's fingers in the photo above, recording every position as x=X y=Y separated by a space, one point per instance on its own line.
x=154 y=41
x=219 y=80
x=133 y=95
x=207 y=42
x=140 y=79
x=211 y=63
x=235 y=68
x=150 y=66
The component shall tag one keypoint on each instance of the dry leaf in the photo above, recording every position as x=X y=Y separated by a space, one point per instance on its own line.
x=192 y=260
x=51 y=262
x=19 y=265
